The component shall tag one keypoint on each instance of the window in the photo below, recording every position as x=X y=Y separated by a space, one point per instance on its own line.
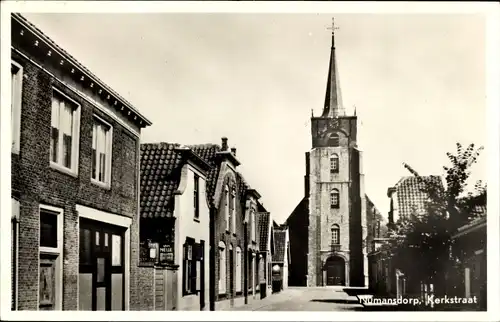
x=196 y=196
x=238 y=269
x=222 y=268
x=233 y=214
x=190 y=267
x=226 y=208
x=64 y=133
x=334 y=163
x=50 y=269
x=16 y=102
x=333 y=140
x=101 y=151
x=334 y=198
x=252 y=225
x=335 y=234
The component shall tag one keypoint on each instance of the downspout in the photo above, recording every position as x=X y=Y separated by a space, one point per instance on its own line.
x=212 y=257
x=245 y=251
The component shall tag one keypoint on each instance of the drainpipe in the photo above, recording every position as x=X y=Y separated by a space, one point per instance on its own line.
x=212 y=257
x=245 y=252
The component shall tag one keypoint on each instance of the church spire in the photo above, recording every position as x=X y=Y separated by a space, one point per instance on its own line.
x=333 y=100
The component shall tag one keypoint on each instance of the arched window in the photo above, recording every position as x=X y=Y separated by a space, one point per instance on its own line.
x=333 y=140
x=335 y=234
x=238 y=269
x=334 y=198
x=222 y=268
x=334 y=163
x=226 y=205
x=233 y=211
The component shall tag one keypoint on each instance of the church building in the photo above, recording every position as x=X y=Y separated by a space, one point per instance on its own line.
x=328 y=228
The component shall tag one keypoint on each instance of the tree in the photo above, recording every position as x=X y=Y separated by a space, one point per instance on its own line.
x=421 y=244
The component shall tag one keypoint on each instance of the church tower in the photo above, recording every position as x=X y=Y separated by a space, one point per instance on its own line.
x=336 y=254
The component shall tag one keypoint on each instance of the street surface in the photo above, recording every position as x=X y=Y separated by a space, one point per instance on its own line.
x=307 y=299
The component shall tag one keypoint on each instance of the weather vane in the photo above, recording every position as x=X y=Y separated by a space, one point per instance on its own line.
x=333 y=27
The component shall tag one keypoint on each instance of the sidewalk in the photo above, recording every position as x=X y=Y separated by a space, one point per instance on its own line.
x=270 y=299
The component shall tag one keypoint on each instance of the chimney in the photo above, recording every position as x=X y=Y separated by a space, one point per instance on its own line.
x=224 y=144
x=233 y=150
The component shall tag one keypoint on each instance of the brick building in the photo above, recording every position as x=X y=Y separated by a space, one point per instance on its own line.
x=328 y=228
x=175 y=223
x=75 y=188
x=233 y=237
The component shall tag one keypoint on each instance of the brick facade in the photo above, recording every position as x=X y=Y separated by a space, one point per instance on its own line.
x=35 y=182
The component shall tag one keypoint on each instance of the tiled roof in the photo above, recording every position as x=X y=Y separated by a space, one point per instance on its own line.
x=160 y=175
x=263 y=222
x=279 y=245
x=208 y=153
x=410 y=194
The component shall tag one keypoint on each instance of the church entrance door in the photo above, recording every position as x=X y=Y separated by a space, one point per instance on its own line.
x=335 y=271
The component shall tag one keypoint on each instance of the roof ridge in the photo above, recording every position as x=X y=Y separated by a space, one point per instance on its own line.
x=83 y=67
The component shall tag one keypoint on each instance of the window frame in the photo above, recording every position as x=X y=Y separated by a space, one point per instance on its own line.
x=222 y=268
x=189 y=268
x=226 y=206
x=335 y=229
x=334 y=163
x=16 y=106
x=75 y=136
x=109 y=153
x=54 y=252
x=233 y=211
x=253 y=230
x=196 y=196
x=238 y=277
x=336 y=193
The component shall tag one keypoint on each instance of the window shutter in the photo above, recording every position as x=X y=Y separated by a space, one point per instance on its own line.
x=197 y=276
x=184 y=270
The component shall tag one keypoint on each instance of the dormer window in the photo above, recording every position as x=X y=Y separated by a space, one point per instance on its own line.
x=334 y=163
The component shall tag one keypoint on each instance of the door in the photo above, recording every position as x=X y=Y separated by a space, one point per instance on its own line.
x=101 y=269
x=335 y=271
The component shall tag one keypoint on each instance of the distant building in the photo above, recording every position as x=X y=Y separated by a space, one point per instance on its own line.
x=407 y=198
x=281 y=258
x=329 y=227
x=469 y=277
x=266 y=248
x=75 y=182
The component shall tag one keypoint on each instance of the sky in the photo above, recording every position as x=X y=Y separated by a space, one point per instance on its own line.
x=417 y=81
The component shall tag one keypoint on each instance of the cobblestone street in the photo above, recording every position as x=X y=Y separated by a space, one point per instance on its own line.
x=307 y=299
